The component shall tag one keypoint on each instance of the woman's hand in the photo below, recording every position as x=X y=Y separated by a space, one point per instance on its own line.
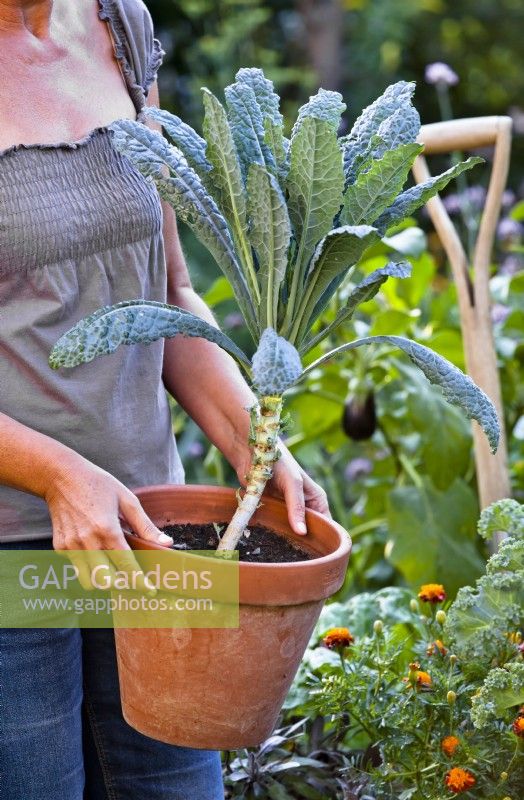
x=295 y=486
x=88 y=507
x=292 y=484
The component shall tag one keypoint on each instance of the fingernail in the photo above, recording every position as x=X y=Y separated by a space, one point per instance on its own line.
x=301 y=528
x=165 y=539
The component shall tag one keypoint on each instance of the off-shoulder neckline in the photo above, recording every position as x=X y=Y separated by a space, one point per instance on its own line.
x=109 y=13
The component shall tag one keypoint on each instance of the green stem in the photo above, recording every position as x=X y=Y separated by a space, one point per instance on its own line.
x=295 y=282
x=265 y=453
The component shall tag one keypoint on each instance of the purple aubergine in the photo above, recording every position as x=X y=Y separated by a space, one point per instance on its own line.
x=359 y=419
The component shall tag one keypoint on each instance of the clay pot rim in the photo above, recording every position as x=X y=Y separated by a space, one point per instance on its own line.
x=344 y=546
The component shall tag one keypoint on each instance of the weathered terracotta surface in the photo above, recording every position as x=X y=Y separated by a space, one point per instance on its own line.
x=224 y=688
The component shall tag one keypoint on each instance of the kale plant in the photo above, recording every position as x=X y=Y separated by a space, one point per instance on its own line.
x=287 y=221
x=484 y=619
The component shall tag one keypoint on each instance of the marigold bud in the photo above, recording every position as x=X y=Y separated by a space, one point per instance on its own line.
x=413 y=605
x=378 y=626
x=451 y=697
x=440 y=616
x=453 y=659
x=503 y=776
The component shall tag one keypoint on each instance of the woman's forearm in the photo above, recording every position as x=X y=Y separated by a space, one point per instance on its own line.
x=29 y=460
x=208 y=385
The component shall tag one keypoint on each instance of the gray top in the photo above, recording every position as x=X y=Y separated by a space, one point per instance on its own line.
x=80 y=228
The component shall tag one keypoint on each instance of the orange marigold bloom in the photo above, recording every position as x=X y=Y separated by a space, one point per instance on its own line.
x=518 y=726
x=337 y=638
x=432 y=593
x=417 y=677
x=423 y=678
x=459 y=780
x=436 y=645
x=449 y=744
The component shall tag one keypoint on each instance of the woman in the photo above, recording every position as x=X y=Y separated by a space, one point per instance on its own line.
x=80 y=228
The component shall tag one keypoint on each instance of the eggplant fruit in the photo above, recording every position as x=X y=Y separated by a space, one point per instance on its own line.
x=359 y=418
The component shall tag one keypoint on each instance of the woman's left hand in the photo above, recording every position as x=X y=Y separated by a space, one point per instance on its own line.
x=291 y=483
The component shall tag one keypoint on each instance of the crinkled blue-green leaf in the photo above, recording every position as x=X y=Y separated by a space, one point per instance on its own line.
x=247 y=126
x=375 y=189
x=269 y=103
x=270 y=235
x=183 y=136
x=184 y=191
x=276 y=364
x=133 y=322
x=418 y=195
x=402 y=127
x=457 y=387
x=315 y=183
x=396 y=97
x=325 y=105
x=339 y=250
x=363 y=292
x=266 y=97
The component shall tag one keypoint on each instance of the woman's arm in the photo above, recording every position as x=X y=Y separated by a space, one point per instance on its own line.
x=210 y=388
x=85 y=503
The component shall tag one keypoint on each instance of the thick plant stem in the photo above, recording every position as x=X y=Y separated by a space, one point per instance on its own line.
x=265 y=453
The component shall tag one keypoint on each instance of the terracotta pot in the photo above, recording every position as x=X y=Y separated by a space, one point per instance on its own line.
x=224 y=688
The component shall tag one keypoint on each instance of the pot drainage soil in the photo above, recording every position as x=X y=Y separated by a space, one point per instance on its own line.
x=258 y=544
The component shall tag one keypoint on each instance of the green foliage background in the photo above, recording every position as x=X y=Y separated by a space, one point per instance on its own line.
x=408 y=494
x=375 y=43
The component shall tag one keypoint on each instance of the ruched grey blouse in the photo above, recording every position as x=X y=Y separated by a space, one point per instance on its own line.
x=81 y=228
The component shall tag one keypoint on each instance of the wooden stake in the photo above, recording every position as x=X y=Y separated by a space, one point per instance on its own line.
x=473 y=289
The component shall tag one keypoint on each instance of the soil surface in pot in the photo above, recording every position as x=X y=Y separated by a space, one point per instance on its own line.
x=258 y=543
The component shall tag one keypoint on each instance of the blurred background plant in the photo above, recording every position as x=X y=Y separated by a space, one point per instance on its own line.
x=394 y=458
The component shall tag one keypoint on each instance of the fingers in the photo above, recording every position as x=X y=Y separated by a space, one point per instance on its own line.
x=293 y=491
x=299 y=491
x=316 y=497
x=83 y=572
x=140 y=523
x=93 y=568
x=125 y=562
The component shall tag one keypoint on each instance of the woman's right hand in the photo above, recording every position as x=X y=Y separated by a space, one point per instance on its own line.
x=88 y=507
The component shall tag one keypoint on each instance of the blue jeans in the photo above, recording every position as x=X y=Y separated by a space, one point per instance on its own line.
x=62 y=733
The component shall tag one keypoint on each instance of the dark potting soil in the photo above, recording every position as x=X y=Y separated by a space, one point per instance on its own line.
x=258 y=543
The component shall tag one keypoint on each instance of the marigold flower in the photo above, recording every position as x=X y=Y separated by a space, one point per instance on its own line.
x=423 y=678
x=338 y=638
x=449 y=744
x=518 y=726
x=434 y=646
x=432 y=593
x=417 y=677
x=459 y=780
